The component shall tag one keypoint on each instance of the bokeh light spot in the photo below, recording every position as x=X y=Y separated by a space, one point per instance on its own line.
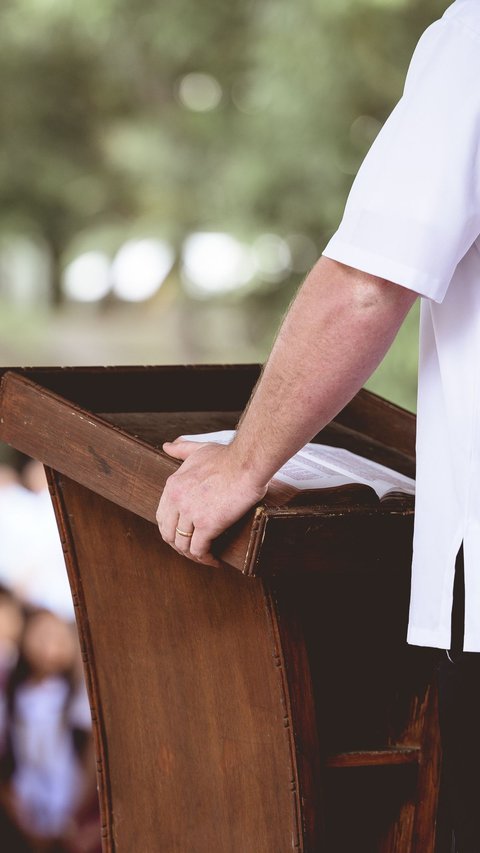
x=200 y=92
x=215 y=262
x=140 y=267
x=87 y=278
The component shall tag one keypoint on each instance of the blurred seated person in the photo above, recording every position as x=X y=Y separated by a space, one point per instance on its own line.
x=32 y=563
x=8 y=475
x=83 y=834
x=11 y=626
x=48 y=738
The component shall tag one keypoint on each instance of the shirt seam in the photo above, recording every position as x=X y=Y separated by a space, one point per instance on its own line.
x=467 y=28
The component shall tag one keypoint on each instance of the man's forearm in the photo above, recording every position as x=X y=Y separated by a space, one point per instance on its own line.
x=335 y=334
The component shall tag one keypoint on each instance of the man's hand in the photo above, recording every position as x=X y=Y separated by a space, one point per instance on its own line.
x=207 y=494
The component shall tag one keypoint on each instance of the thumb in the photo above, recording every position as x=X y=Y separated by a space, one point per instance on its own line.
x=181 y=448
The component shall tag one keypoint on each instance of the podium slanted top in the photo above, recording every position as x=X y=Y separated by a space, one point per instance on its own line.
x=104 y=427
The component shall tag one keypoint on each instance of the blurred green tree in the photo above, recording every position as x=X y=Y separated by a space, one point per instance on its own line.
x=95 y=127
x=57 y=97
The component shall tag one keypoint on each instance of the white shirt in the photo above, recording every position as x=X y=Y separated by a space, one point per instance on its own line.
x=413 y=217
x=32 y=564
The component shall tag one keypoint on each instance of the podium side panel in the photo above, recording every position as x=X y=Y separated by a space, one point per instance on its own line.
x=372 y=694
x=187 y=692
x=381 y=419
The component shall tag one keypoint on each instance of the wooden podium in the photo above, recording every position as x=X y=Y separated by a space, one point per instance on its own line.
x=269 y=706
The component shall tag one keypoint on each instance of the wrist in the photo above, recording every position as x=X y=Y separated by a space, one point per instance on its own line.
x=246 y=467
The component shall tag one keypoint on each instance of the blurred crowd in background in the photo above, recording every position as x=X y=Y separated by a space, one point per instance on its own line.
x=48 y=797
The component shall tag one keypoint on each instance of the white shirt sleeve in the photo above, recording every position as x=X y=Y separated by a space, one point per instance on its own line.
x=414 y=208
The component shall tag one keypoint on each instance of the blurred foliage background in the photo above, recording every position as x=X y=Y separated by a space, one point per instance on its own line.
x=170 y=172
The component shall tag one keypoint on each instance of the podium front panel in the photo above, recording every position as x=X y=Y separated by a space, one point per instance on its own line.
x=193 y=734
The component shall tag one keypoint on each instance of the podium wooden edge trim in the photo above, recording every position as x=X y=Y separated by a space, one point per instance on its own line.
x=133 y=386
x=89 y=664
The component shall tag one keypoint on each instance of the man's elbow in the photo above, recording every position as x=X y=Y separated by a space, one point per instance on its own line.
x=381 y=295
x=369 y=294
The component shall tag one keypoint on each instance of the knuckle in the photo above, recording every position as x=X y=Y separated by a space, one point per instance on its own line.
x=175 y=489
x=197 y=553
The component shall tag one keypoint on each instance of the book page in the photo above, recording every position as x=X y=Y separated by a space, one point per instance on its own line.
x=320 y=466
x=364 y=470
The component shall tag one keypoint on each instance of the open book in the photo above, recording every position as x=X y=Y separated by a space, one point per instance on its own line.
x=320 y=466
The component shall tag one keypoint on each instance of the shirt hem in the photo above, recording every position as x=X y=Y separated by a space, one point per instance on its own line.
x=424 y=637
x=383 y=267
x=470 y=645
